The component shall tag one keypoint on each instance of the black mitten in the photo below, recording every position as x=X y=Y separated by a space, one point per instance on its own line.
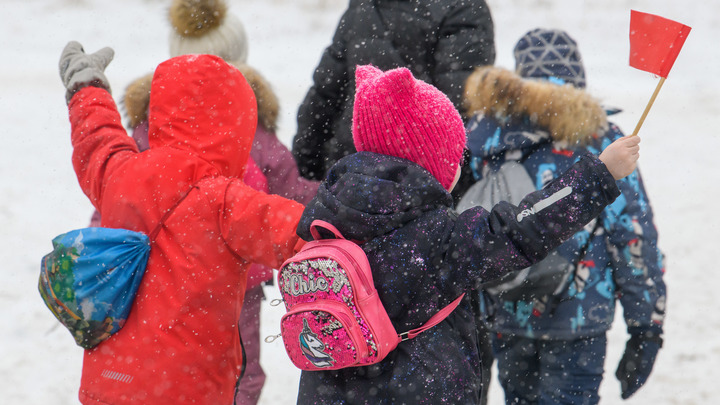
x=78 y=70
x=637 y=361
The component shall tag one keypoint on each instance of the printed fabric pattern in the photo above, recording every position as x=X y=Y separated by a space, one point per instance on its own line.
x=90 y=278
x=325 y=331
x=625 y=240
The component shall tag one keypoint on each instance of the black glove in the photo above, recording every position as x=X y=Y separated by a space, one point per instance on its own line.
x=78 y=70
x=637 y=361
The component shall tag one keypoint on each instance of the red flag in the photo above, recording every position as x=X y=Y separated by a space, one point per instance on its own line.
x=655 y=42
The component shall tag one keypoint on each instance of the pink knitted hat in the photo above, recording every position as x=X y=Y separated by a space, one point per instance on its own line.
x=396 y=115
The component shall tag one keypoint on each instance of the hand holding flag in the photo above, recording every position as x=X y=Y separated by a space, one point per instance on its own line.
x=655 y=43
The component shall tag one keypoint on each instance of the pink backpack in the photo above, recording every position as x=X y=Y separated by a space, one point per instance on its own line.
x=334 y=316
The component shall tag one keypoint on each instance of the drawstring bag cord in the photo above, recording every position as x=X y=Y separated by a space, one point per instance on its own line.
x=164 y=218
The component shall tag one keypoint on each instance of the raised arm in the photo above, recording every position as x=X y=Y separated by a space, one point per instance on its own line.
x=259 y=227
x=100 y=143
x=509 y=237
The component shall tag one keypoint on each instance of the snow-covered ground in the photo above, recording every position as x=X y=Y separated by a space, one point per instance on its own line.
x=39 y=196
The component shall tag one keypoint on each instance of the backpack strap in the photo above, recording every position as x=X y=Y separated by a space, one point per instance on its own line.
x=319 y=224
x=164 y=218
x=434 y=320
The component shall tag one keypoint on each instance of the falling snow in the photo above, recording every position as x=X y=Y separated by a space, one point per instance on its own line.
x=40 y=197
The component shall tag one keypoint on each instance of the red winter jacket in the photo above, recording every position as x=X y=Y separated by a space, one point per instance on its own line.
x=254 y=177
x=180 y=343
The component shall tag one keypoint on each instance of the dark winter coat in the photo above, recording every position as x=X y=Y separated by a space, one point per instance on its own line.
x=180 y=343
x=622 y=259
x=424 y=256
x=440 y=41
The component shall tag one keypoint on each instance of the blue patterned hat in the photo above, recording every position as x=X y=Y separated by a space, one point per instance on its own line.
x=549 y=54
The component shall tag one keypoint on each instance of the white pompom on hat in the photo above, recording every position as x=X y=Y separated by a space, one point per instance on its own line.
x=206 y=27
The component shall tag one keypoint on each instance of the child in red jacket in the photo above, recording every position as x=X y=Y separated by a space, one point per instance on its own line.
x=271 y=168
x=180 y=343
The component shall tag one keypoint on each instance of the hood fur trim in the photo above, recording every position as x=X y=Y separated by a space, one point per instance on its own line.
x=569 y=114
x=194 y=18
x=137 y=100
x=268 y=105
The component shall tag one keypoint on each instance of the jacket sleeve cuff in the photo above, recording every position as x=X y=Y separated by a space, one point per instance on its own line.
x=609 y=185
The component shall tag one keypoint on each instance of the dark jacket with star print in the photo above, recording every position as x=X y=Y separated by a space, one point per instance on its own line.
x=424 y=256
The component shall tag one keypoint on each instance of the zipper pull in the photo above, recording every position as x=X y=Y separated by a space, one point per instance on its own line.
x=271 y=338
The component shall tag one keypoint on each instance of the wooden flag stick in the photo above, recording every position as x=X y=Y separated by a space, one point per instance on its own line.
x=647 y=107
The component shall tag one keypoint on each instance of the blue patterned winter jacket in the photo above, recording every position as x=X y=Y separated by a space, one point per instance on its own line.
x=616 y=257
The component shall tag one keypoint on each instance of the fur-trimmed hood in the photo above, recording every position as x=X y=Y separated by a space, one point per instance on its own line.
x=268 y=105
x=136 y=99
x=567 y=113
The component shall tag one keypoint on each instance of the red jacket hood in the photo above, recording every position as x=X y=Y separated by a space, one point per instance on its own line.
x=203 y=105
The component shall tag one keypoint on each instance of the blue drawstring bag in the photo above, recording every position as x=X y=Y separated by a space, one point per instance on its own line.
x=90 y=279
